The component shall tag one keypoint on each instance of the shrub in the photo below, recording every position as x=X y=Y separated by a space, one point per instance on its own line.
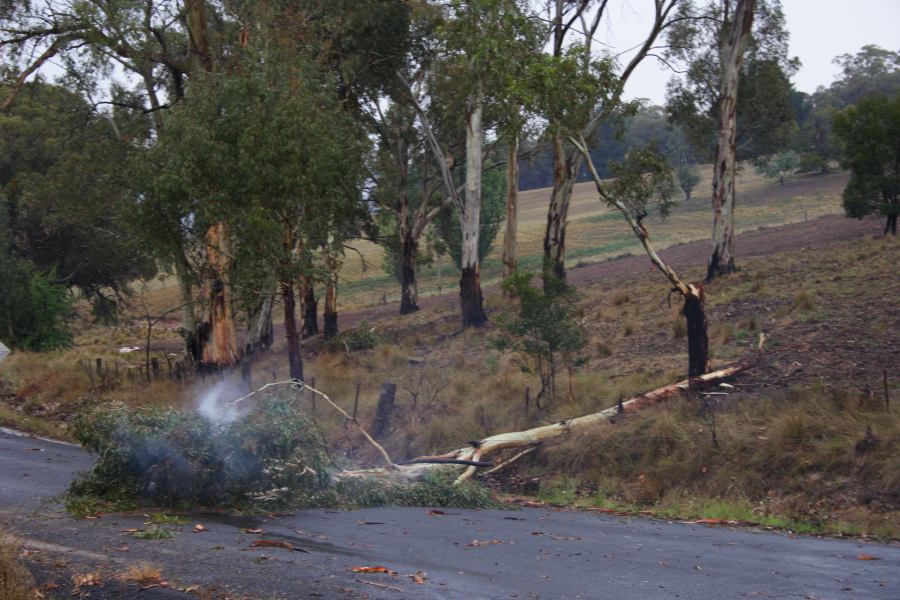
x=546 y=329
x=364 y=337
x=33 y=309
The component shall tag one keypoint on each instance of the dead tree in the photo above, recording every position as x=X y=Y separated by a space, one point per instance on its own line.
x=475 y=453
x=693 y=309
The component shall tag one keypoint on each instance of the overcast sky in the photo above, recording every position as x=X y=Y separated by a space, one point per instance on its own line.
x=819 y=29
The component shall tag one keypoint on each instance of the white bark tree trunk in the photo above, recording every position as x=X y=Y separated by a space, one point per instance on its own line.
x=512 y=201
x=471 y=301
x=721 y=260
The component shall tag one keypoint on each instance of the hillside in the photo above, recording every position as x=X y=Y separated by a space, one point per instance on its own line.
x=803 y=284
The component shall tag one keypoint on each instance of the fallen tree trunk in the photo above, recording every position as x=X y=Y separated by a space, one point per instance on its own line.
x=477 y=451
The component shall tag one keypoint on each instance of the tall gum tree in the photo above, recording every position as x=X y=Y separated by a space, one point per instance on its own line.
x=406 y=190
x=576 y=110
x=479 y=38
x=731 y=95
x=721 y=258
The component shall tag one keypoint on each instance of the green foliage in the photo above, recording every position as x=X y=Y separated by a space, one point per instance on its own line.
x=164 y=519
x=687 y=178
x=765 y=115
x=869 y=132
x=644 y=176
x=778 y=165
x=270 y=457
x=65 y=206
x=546 y=329
x=165 y=457
x=438 y=489
x=363 y=337
x=153 y=533
x=34 y=309
x=872 y=70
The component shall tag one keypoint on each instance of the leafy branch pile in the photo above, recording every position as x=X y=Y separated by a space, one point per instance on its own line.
x=271 y=457
x=167 y=457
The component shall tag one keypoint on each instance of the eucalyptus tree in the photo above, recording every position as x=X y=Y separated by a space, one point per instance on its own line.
x=67 y=210
x=480 y=42
x=268 y=152
x=734 y=97
x=583 y=89
x=407 y=192
x=406 y=188
x=162 y=43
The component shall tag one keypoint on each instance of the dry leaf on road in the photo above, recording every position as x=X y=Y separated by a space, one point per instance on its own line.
x=867 y=557
x=419 y=577
x=276 y=544
x=372 y=570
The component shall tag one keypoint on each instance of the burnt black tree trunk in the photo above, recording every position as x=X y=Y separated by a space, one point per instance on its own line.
x=471 y=300
x=290 y=327
x=698 y=340
x=409 y=288
x=309 y=307
x=890 y=225
x=382 y=423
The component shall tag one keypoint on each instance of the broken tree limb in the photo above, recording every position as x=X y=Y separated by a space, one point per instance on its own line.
x=510 y=461
x=297 y=384
x=532 y=437
x=446 y=461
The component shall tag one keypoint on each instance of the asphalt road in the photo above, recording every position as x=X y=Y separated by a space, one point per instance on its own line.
x=530 y=553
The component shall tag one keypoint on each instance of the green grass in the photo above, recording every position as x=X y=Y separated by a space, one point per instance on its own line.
x=164 y=519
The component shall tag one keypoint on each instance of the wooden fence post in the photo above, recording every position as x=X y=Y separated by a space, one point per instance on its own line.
x=382 y=424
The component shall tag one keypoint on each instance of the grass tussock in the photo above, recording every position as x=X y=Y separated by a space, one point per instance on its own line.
x=805 y=456
x=16 y=582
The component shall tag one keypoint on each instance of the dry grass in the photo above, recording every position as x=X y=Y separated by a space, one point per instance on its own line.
x=830 y=459
x=16 y=582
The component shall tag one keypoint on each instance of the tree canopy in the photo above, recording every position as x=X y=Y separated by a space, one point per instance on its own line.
x=870 y=135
